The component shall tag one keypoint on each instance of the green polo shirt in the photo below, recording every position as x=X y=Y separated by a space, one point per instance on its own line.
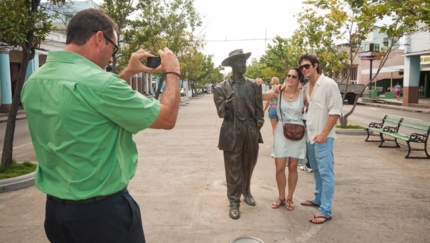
x=81 y=121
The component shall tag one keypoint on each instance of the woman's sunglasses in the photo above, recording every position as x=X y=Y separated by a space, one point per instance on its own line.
x=291 y=76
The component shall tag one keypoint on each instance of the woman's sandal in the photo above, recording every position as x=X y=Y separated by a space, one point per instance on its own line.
x=289 y=204
x=279 y=202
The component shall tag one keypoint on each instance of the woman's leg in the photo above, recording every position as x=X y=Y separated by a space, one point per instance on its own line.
x=293 y=176
x=280 y=176
x=273 y=122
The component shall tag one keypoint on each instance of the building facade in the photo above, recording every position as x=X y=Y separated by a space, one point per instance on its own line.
x=407 y=64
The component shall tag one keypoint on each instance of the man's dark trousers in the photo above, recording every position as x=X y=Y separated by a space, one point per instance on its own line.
x=114 y=219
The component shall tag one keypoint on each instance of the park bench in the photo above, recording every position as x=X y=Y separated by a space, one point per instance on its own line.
x=420 y=134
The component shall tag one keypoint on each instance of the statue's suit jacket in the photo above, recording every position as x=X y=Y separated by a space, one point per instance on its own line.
x=253 y=102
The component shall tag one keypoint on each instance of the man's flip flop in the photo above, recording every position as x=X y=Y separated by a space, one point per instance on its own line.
x=310 y=203
x=327 y=218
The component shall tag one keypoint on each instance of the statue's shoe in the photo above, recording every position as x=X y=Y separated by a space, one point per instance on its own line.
x=249 y=199
x=234 y=212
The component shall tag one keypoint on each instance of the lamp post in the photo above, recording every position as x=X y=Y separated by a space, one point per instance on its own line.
x=371 y=52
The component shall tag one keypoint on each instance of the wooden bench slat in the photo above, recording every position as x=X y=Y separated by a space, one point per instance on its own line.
x=421 y=127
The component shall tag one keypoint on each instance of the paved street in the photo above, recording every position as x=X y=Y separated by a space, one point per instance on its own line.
x=180 y=187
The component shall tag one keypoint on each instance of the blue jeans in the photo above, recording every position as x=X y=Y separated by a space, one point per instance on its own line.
x=273 y=113
x=322 y=162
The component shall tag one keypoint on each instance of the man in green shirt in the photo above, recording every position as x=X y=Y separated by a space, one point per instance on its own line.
x=81 y=120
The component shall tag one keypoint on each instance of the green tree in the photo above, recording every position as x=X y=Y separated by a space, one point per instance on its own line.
x=281 y=56
x=346 y=22
x=216 y=74
x=199 y=69
x=152 y=25
x=259 y=69
x=321 y=24
x=120 y=11
x=160 y=23
x=407 y=15
x=23 y=26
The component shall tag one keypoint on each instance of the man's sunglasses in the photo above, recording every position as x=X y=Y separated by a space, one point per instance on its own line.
x=305 y=66
x=115 y=49
x=291 y=76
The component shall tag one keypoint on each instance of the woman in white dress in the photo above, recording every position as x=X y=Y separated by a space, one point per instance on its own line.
x=291 y=105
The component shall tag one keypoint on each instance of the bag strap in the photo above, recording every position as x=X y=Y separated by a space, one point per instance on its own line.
x=280 y=102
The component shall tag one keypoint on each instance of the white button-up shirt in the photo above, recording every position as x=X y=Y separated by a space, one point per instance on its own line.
x=325 y=100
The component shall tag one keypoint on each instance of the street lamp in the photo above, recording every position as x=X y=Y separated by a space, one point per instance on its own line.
x=371 y=52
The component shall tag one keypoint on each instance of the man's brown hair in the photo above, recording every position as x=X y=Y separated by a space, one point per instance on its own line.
x=312 y=58
x=86 y=23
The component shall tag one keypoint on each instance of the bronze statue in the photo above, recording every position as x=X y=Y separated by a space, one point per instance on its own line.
x=239 y=101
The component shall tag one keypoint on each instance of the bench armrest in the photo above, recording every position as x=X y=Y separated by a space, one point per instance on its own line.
x=390 y=129
x=418 y=137
x=375 y=125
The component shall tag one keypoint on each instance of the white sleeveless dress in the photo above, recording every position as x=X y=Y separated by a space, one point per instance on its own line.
x=292 y=113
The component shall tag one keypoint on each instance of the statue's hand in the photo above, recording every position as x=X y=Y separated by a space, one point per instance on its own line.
x=229 y=101
x=259 y=81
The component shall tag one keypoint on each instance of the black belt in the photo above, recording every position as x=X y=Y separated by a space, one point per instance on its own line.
x=89 y=200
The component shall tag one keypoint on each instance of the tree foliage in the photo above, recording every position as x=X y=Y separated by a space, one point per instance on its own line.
x=23 y=27
x=153 y=25
x=339 y=34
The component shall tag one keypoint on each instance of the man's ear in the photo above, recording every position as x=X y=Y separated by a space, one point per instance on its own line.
x=98 y=38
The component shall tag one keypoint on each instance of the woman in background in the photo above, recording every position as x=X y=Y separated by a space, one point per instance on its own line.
x=271 y=104
x=397 y=90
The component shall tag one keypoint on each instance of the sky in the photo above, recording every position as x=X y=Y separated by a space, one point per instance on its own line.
x=234 y=20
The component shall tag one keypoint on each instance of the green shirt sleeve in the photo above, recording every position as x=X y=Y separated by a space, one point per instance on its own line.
x=126 y=107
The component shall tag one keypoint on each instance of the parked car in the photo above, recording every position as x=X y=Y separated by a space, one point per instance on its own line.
x=182 y=92
x=351 y=90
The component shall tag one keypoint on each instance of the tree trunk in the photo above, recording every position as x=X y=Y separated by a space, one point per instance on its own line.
x=16 y=100
x=343 y=121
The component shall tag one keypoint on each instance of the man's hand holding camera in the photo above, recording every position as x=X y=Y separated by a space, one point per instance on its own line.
x=169 y=63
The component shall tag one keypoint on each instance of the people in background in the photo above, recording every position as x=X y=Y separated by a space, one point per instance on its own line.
x=271 y=105
x=397 y=90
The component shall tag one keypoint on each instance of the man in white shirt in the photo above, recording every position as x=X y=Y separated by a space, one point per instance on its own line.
x=325 y=106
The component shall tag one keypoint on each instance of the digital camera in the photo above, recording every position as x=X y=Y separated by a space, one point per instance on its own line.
x=153 y=62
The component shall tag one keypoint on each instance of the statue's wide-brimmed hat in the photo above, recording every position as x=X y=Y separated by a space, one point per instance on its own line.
x=234 y=54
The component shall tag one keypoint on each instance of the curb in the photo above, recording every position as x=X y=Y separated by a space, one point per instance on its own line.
x=17 y=183
x=397 y=107
x=18 y=117
x=352 y=131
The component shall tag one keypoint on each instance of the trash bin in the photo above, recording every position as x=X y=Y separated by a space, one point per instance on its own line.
x=245 y=239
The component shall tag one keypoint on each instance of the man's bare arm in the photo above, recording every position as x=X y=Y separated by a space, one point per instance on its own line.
x=170 y=99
